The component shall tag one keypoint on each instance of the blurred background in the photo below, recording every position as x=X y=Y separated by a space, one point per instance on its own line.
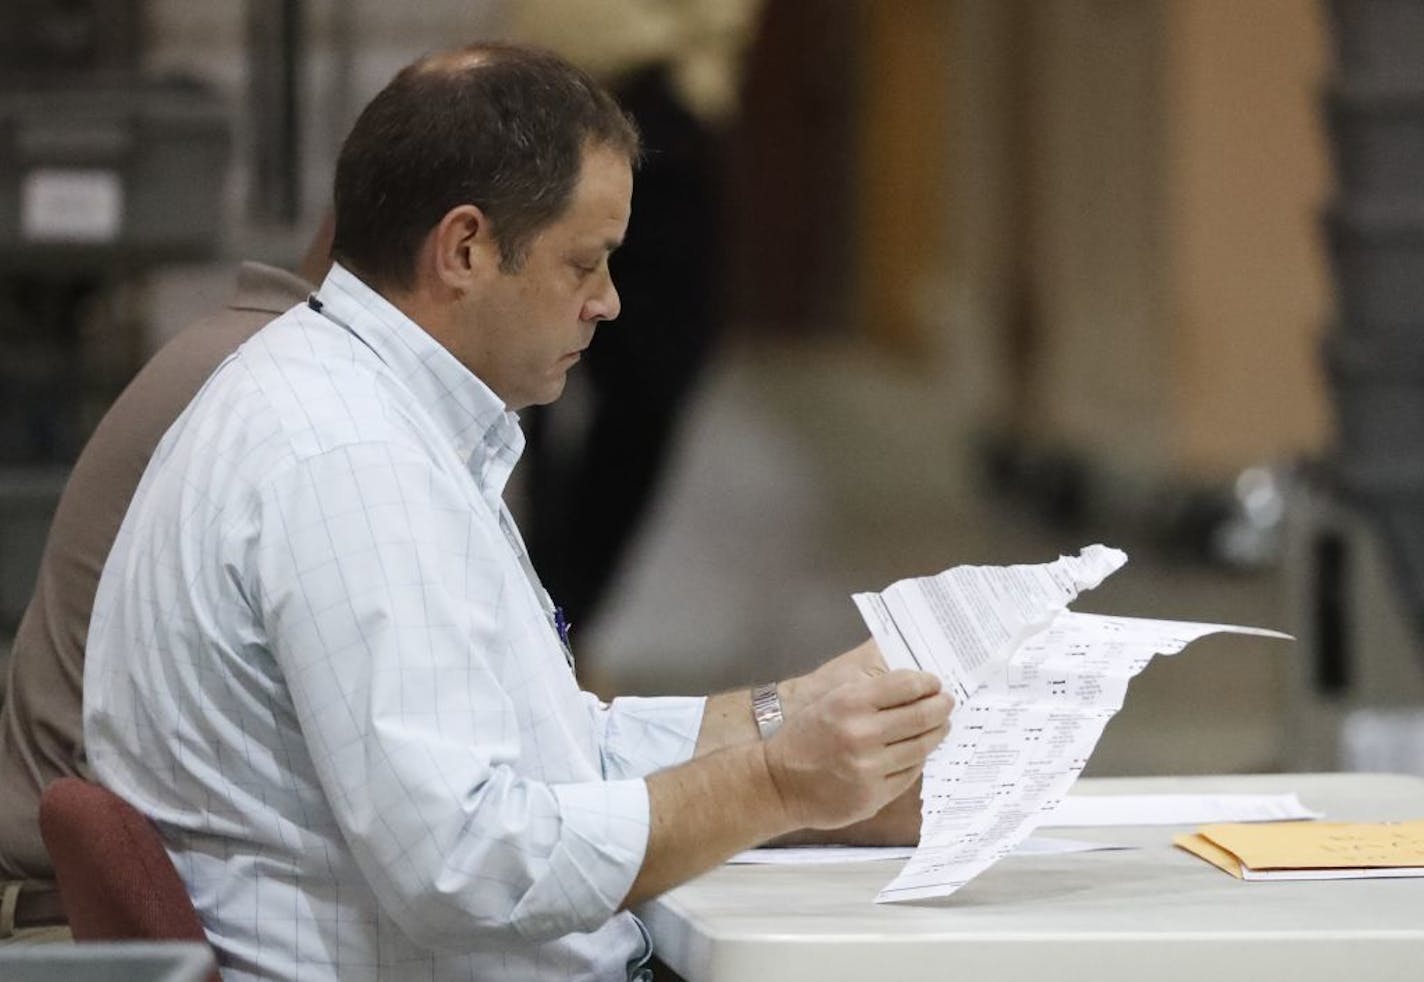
x=953 y=281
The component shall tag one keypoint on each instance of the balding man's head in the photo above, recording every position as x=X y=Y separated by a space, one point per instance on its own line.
x=497 y=126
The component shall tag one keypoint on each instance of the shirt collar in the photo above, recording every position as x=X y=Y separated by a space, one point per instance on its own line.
x=484 y=433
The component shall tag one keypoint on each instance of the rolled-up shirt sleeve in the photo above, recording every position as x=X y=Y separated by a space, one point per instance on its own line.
x=640 y=736
x=387 y=616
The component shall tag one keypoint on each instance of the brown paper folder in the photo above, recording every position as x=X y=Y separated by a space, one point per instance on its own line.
x=1310 y=850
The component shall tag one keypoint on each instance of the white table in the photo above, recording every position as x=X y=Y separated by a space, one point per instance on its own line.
x=1152 y=913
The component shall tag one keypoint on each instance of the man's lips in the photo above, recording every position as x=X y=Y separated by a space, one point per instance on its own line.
x=577 y=353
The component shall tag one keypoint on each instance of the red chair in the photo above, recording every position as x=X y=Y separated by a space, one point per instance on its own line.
x=115 y=878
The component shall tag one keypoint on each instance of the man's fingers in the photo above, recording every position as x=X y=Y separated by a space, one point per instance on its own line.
x=903 y=685
x=901 y=781
x=910 y=720
x=911 y=752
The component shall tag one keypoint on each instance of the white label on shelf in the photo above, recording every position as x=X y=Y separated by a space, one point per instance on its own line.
x=71 y=205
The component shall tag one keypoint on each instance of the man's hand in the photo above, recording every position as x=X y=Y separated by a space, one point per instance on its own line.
x=857 y=747
x=839 y=760
x=858 y=663
x=727 y=719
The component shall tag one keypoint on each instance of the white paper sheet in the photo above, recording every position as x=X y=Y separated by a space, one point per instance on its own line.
x=963 y=623
x=1034 y=685
x=1034 y=845
x=1176 y=809
x=818 y=855
x=1049 y=845
x=1367 y=873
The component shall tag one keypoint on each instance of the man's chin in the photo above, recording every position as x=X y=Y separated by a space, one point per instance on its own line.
x=551 y=392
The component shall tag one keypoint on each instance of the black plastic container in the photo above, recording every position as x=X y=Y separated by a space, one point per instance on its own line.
x=1398 y=518
x=1377 y=139
x=1379 y=40
x=1379 y=409
x=98 y=176
x=1378 y=255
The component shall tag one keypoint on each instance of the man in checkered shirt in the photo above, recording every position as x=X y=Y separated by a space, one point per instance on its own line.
x=320 y=659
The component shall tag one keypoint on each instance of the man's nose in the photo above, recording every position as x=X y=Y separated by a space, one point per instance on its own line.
x=605 y=305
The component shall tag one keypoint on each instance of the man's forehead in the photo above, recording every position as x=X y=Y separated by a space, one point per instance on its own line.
x=599 y=156
x=605 y=184
x=598 y=211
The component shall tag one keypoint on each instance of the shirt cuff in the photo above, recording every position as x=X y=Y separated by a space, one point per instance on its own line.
x=602 y=841
x=641 y=735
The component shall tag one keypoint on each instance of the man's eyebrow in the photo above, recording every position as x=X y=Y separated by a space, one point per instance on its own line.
x=609 y=246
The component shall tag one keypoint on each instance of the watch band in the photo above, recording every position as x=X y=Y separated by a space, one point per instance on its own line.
x=766 y=709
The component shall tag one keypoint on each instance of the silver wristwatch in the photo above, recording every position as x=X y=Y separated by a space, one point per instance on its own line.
x=766 y=709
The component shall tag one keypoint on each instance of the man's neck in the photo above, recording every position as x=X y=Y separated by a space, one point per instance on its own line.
x=429 y=313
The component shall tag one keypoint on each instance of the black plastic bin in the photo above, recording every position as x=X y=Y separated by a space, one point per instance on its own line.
x=107 y=175
x=1398 y=518
x=1379 y=40
x=1377 y=139
x=1379 y=455
x=1378 y=255
x=1379 y=409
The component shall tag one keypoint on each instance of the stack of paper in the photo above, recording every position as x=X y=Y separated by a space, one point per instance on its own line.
x=818 y=855
x=1177 y=809
x=1311 y=850
x=1034 y=684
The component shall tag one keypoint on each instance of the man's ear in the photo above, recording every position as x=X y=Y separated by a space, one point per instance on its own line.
x=464 y=247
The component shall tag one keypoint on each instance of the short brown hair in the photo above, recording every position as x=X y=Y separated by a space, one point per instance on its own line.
x=499 y=126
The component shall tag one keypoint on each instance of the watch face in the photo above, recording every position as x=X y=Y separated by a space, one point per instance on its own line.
x=766 y=709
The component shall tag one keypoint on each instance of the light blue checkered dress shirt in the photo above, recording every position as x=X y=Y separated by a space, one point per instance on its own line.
x=318 y=663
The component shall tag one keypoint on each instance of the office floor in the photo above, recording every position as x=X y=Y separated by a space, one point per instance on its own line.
x=808 y=473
